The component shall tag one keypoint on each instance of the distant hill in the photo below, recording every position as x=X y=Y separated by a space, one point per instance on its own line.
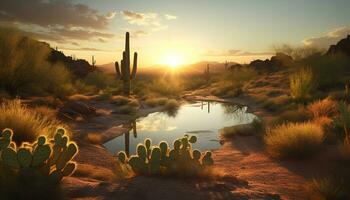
x=192 y=68
x=342 y=47
x=79 y=67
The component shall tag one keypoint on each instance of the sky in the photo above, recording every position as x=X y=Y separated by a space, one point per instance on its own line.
x=186 y=31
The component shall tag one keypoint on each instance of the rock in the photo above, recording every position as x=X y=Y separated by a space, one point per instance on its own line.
x=279 y=61
x=342 y=47
x=76 y=109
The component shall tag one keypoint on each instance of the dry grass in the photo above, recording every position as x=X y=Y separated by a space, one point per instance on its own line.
x=294 y=140
x=26 y=123
x=323 y=108
x=301 y=84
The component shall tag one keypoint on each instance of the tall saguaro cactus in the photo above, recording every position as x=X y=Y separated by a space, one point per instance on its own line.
x=124 y=72
x=93 y=61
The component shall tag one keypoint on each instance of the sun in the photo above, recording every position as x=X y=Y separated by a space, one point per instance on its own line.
x=172 y=60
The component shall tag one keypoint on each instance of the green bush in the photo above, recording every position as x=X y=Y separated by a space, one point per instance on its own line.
x=24 y=69
x=99 y=79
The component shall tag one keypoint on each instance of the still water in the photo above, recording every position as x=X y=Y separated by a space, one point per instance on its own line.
x=202 y=119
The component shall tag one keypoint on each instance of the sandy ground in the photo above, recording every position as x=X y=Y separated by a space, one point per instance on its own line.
x=247 y=172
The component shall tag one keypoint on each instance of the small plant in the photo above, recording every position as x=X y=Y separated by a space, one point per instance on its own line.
x=123 y=72
x=26 y=123
x=294 y=140
x=323 y=108
x=160 y=160
x=301 y=84
x=43 y=162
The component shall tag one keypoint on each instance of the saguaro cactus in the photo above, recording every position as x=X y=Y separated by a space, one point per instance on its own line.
x=93 y=61
x=124 y=72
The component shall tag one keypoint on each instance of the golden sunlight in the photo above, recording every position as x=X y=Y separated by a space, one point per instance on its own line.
x=172 y=59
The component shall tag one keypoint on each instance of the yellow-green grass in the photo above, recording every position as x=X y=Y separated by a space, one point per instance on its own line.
x=296 y=140
x=27 y=124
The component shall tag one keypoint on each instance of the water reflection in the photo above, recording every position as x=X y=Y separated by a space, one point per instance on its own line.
x=203 y=119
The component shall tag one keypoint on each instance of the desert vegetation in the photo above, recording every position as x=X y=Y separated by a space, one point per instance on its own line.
x=72 y=128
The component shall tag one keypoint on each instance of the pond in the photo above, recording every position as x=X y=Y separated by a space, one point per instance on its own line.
x=203 y=119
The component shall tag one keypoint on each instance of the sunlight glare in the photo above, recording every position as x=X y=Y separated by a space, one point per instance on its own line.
x=172 y=60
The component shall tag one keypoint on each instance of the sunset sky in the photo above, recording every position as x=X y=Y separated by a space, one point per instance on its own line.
x=193 y=30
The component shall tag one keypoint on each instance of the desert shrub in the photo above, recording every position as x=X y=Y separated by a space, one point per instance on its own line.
x=35 y=170
x=26 y=123
x=232 y=82
x=294 y=140
x=169 y=86
x=99 y=79
x=342 y=121
x=329 y=70
x=181 y=161
x=243 y=129
x=24 y=69
x=323 y=108
x=301 y=84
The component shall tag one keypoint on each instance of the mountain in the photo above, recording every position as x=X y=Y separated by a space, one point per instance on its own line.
x=79 y=67
x=342 y=47
x=199 y=67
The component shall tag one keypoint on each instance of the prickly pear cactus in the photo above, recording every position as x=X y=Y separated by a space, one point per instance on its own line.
x=53 y=160
x=160 y=160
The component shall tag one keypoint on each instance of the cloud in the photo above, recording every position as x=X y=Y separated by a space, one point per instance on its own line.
x=48 y=13
x=58 y=21
x=170 y=17
x=84 y=49
x=138 y=33
x=235 y=52
x=111 y=15
x=330 y=38
x=141 y=19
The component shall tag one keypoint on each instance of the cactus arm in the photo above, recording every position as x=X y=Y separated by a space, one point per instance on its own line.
x=127 y=52
x=134 y=68
x=116 y=65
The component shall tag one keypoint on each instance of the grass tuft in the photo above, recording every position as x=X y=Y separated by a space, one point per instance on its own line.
x=296 y=140
x=27 y=124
